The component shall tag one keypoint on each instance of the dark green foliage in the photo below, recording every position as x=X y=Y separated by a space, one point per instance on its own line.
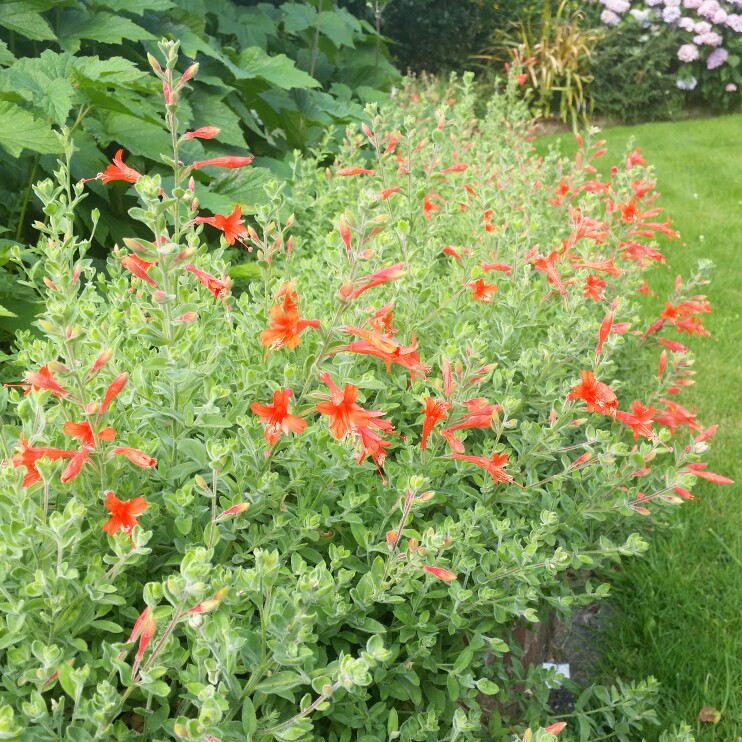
x=273 y=78
x=440 y=35
x=634 y=76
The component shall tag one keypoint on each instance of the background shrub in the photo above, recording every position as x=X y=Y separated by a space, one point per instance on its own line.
x=633 y=73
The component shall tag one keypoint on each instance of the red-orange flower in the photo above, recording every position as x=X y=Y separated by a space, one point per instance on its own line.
x=495 y=465
x=286 y=324
x=548 y=266
x=44 y=379
x=639 y=419
x=392 y=273
x=137 y=457
x=435 y=411
x=84 y=433
x=228 y=162
x=123 y=514
x=675 y=415
x=139 y=268
x=599 y=397
x=115 y=388
x=78 y=460
x=387 y=349
x=482 y=291
x=442 y=574
x=232 y=224
x=478 y=415
x=118 y=171
x=350 y=171
x=219 y=288
x=697 y=470
x=277 y=418
x=604 y=331
x=27 y=457
x=594 y=286
x=205 y=132
x=348 y=419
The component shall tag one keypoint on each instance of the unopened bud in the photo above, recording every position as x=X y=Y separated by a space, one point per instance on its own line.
x=202 y=483
x=187 y=317
x=49 y=284
x=188 y=74
x=234 y=510
x=154 y=64
x=159 y=297
x=391 y=538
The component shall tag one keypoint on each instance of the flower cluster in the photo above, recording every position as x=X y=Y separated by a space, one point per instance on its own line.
x=706 y=29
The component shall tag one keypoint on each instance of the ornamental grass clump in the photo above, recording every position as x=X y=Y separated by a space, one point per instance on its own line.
x=323 y=503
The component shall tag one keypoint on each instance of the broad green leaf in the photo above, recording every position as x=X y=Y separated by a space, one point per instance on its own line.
x=19 y=130
x=137 y=136
x=6 y=56
x=210 y=110
x=23 y=18
x=278 y=70
x=297 y=17
x=280 y=681
x=137 y=7
x=53 y=96
x=335 y=28
x=104 y=28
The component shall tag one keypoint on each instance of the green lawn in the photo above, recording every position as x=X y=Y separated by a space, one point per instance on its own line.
x=680 y=608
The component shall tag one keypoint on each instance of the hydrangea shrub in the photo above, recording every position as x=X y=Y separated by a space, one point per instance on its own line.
x=708 y=33
x=319 y=507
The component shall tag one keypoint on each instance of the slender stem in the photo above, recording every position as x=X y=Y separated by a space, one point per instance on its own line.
x=213 y=508
x=26 y=199
x=308 y=710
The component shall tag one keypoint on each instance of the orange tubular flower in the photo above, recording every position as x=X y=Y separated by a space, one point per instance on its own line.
x=599 y=397
x=594 y=286
x=675 y=415
x=494 y=465
x=226 y=162
x=387 y=349
x=123 y=514
x=697 y=470
x=435 y=411
x=547 y=265
x=27 y=457
x=216 y=286
x=84 y=433
x=78 y=460
x=442 y=574
x=115 y=388
x=139 y=268
x=482 y=291
x=350 y=171
x=118 y=171
x=44 y=379
x=277 y=418
x=205 y=132
x=232 y=224
x=478 y=415
x=137 y=457
x=604 y=331
x=286 y=324
x=392 y=273
x=348 y=419
x=639 y=419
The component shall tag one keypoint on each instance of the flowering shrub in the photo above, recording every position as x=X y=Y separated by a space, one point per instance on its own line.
x=320 y=509
x=708 y=34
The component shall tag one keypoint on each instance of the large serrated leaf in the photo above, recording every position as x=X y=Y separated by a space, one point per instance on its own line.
x=51 y=95
x=19 y=130
x=104 y=28
x=210 y=110
x=277 y=69
x=6 y=56
x=137 y=7
x=24 y=18
x=137 y=136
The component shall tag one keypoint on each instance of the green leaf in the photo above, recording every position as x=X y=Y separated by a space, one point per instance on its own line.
x=245 y=271
x=104 y=28
x=138 y=7
x=487 y=687
x=6 y=56
x=135 y=135
x=336 y=29
x=278 y=70
x=19 y=130
x=249 y=719
x=23 y=18
x=281 y=681
x=210 y=110
x=297 y=17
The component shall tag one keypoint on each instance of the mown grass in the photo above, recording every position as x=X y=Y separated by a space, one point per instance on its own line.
x=679 y=609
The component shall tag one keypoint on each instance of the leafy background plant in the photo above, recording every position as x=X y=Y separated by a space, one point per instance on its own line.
x=273 y=78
